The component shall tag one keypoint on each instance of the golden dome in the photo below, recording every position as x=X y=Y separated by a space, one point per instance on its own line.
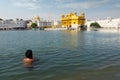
x=82 y=13
x=37 y=18
x=75 y=13
x=63 y=16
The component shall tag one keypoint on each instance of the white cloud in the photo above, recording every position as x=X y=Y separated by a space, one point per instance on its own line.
x=64 y=4
x=29 y=4
x=117 y=5
x=64 y=0
x=76 y=5
x=83 y=5
x=58 y=7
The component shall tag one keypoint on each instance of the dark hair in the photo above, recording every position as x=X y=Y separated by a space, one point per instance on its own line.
x=28 y=54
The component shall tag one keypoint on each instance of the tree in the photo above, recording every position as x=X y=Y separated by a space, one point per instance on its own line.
x=95 y=25
x=34 y=25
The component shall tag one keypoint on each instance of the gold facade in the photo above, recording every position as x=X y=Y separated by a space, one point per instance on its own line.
x=72 y=19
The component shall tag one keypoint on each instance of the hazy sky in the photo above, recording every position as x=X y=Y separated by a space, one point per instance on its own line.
x=53 y=9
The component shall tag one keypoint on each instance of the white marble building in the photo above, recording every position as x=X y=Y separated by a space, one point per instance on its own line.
x=42 y=23
x=56 y=24
x=111 y=23
x=12 y=24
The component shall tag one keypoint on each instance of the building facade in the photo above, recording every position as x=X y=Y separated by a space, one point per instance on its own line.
x=56 y=24
x=73 y=21
x=12 y=24
x=42 y=23
x=109 y=23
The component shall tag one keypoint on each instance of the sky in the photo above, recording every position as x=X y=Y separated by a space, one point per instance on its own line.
x=53 y=9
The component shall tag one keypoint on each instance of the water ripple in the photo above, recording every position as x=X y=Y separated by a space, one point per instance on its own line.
x=60 y=55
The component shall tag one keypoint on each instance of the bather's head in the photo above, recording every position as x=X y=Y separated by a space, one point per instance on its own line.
x=28 y=54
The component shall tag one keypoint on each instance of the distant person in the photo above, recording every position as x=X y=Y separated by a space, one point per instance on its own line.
x=28 y=60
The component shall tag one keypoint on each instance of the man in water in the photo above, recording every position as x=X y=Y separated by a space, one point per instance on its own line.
x=28 y=60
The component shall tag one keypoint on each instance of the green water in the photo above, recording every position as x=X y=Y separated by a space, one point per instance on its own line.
x=61 y=55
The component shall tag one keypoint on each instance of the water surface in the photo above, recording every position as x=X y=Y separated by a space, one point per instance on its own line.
x=62 y=55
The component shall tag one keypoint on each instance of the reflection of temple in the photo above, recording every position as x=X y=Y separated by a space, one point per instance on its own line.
x=74 y=39
x=72 y=21
x=42 y=23
x=71 y=39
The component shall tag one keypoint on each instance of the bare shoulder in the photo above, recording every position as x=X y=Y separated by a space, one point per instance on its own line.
x=27 y=60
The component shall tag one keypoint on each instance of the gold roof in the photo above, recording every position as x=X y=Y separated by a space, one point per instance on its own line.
x=37 y=18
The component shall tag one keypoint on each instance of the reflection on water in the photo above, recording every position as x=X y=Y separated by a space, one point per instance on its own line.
x=72 y=39
x=62 y=55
